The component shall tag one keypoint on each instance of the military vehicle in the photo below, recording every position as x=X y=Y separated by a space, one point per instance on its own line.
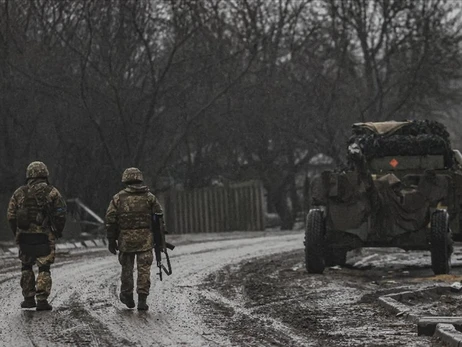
x=402 y=188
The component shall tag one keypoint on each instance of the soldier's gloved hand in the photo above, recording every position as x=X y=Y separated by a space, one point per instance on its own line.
x=112 y=247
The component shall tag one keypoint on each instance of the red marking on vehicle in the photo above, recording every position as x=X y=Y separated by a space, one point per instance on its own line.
x=394 y=163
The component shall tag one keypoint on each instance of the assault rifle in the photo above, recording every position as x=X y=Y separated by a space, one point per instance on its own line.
x=160 y=245
x=49 y=221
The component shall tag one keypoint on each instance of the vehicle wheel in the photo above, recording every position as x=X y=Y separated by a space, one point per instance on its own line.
x=440 y=243
x=315 y=242
x=335 y=256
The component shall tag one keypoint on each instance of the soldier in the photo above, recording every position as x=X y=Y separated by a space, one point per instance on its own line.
x=128 y=225
x=37 y=215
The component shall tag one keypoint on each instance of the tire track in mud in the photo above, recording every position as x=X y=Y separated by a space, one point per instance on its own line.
x=334 y=309
x=276 y=331
x=87 y=311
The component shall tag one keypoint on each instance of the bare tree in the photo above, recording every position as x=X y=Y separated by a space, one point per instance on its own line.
x=199 y=91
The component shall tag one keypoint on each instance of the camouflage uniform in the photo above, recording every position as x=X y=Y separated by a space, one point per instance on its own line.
x=27 y=218
x=128 y=225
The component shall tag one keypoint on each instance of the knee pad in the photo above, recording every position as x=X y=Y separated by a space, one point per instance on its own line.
x=26 y=267
x=44 y=268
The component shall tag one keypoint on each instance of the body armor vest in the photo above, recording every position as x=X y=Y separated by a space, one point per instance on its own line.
x=31 y=210
x=134 y=211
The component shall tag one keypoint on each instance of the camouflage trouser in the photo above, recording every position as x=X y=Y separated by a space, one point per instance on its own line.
x=143 y=264
x=42 y=286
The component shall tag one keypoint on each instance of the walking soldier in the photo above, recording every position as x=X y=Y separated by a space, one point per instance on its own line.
x=128 y=225
x=37 y=215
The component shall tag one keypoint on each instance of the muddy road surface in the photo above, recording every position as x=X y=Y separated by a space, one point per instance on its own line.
x=87 y=311
x=272 y=301
x=227 y=290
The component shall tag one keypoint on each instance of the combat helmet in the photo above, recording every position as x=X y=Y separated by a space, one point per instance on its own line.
x=132 y=174
x=37 y=169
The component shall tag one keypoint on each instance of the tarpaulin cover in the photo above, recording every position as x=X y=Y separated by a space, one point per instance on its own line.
x=389 y=202
x=380 y=128
x=412 y=138
x=407 y=208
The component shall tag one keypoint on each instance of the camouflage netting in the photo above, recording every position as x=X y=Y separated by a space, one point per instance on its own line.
x=420 y=137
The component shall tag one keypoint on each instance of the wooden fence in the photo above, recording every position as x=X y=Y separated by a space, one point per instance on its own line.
x=214 y=209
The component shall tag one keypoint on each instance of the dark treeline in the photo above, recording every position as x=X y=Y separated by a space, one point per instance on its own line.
x=194 y=92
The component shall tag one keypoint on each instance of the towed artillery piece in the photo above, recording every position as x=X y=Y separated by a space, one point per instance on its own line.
x=402 y=188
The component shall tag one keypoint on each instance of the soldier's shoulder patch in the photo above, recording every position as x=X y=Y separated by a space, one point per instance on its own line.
x=54 y=192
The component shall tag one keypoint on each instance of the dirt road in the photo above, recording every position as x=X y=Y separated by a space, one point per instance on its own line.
x=219 y=295
x=87 y=311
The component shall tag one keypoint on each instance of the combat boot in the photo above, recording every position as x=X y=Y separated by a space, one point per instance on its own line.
x=28 y=303
x=127 y=299
x=43 y=305
x=142 y=306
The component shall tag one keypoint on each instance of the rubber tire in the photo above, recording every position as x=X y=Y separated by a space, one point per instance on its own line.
x=335 y=256
x=315 y=242
x=440 y=242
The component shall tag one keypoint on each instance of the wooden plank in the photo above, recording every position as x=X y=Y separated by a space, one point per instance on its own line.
x=255 y=199
x=248 y=194
x=263 y=207
x=178 y=214
x=216 y=217
x=225 y=207
x=207 y=210
x=181 y=214
x=230 y=209
x=260 y=210
x=171 y=212
x=240 y=209
x=189 y=208
x=194 y=210
x=204 y=210
x=246 y=208
x=250 y=208
x=198 y=215
x=182 y=198
x=205 y=193
x=199 y=211
x=176 y=206
x=201 y=199
x=183 y=217
x=254 y=206
x=221 y=204
x=184 y=208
